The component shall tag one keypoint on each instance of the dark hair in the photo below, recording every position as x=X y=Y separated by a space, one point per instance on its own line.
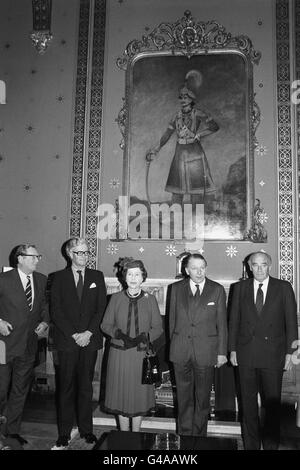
x=21 y=249
x=195 y=256
x=134 y=263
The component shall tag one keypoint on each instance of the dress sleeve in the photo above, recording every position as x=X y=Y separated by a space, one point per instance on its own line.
x=156 y=328
x=108 y=325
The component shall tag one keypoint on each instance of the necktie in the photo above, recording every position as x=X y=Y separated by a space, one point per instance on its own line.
x=259 y=303
x=79 y=285
x=28 y=293
x=197 y=293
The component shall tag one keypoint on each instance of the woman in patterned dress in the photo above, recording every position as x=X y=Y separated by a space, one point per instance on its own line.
x=131 y=316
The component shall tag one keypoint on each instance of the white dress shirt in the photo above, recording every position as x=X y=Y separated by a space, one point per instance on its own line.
x=24 y=281
x=194 y=288
x=76 y=275
x=264 y=287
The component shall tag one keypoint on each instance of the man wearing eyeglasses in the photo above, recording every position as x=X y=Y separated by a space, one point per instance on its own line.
x=78 y=301
x=24 y=318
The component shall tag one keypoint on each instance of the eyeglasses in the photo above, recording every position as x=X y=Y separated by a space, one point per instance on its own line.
x=81 y=253
x=38 y=257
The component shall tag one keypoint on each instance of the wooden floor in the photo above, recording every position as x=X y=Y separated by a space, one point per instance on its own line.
x=39 y=425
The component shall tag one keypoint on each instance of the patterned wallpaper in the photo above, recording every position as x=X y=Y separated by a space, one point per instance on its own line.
x=36 y=128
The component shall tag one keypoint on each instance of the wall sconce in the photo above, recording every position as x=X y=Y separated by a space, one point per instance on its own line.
x=2 y=92
x=41 y=19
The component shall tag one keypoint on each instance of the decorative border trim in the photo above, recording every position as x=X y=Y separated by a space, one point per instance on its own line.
x=86 y=189
x=79 y=121
x=94 y=159
x=297 y=127
x=286 y=239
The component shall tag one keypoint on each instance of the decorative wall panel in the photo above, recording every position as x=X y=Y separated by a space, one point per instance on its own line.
x=286 y=239
x=87 y=127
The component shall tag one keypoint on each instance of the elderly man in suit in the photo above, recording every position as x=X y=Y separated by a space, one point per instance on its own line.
x=78 y=301
x=198 y=335
x=23 y=318
x=262 y=329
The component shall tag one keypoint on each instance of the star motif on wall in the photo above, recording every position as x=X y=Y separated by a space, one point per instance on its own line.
x=112 y=249
x=114 y=183
x=30 y=128
x=141 y=250
x=171 y=250
x=201 y=251
x=262 y=183
x=261 y=150
x=60 y=98
x=231 y=251
x=263 y=217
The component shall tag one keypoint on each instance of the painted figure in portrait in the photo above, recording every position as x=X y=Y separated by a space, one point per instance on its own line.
x=189 y=172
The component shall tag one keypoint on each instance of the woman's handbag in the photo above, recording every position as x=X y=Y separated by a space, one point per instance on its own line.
x=150 y=369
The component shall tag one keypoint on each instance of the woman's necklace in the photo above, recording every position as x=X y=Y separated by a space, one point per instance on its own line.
x=135 y=294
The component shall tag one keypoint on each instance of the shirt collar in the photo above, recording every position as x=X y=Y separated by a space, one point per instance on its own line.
x=75 y=271
x=24 y=276
x=265 y=282
x=194 y=284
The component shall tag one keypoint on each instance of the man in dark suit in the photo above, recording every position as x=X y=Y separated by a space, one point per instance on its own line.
x=23 y=318
x=78 y=301
x=198 y=335
x=262 y=329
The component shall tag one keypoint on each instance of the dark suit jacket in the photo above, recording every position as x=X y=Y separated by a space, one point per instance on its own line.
x=15 y=310
x=205 y=335
x=264 y=340
x=70 y=316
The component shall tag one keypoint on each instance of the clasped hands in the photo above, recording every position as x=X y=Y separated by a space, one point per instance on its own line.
x=82 y=339
x=130 y=342
x=6 y=328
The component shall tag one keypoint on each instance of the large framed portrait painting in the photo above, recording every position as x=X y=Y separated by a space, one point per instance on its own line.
x=189 y=132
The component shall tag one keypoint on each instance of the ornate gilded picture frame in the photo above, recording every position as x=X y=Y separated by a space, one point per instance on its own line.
x=188 y=124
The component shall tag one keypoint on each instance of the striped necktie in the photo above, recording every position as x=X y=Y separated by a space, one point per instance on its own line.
x=28 y=293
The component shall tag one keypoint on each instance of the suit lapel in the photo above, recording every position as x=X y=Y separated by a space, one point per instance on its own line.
x=36 y=289
x=86 y=285
x=271 y=291
x=185 y=292
x=204 y=299
x=71 y=286
x=207 y=290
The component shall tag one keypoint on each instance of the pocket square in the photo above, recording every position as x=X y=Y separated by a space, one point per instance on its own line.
x=93 y=285
x=211 y=303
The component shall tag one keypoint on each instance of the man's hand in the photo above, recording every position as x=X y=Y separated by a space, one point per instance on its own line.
x=83 y=339
x=288 y=362
x=233 y=358
x=221 y=360
x=5 y=328
x=41 y=328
